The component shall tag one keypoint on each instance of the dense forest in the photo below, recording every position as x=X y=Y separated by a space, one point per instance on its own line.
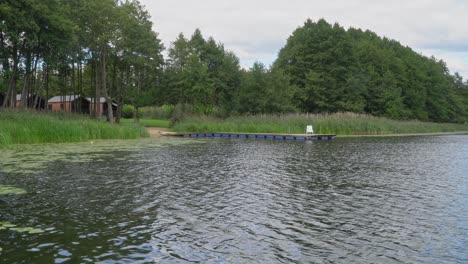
x=108 y=48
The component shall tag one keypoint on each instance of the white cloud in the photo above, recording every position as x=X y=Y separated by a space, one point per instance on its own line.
x=257 y=29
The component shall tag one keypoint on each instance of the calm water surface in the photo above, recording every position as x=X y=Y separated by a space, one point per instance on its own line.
x=369 y=200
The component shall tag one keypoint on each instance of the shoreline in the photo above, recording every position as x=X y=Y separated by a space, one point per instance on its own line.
x=155 y=132
x=408 y=134
x=159 y=132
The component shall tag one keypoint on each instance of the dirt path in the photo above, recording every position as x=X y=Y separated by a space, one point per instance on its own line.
x=155 y=131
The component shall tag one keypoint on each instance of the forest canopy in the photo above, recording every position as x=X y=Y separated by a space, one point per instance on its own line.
x=109 y=48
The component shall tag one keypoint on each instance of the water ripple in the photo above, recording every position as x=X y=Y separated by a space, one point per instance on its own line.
x=378 y=200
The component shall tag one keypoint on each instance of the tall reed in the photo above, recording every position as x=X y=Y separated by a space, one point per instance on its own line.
x=26 y=127
x=337 y=123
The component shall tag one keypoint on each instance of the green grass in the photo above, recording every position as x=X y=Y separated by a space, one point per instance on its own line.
x=147 y=122
x=340 y=124
x=26 y=127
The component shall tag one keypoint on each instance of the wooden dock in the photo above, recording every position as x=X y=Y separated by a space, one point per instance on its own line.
x=297 y=137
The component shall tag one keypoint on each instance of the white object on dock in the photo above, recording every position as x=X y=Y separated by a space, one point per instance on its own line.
x=309 y=129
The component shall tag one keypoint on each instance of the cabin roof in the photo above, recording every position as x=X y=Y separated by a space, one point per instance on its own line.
x=70 y=98
x=63 y=98
x=92 y=99
x=18 y=97
x=102 y=100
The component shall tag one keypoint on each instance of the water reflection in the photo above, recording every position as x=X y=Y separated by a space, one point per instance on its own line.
x=241 y=201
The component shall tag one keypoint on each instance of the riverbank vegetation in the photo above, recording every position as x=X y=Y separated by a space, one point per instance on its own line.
x=29 y=127
x=338 y=123
x=109 y=48
x=146 y=122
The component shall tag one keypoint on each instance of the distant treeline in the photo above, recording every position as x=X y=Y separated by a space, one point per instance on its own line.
x=350 y=70
x=108 y=48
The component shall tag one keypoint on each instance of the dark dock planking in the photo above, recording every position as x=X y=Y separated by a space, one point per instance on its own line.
x=298 y=137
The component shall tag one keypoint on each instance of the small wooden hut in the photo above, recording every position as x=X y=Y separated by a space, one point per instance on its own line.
x=81 y=105
x=34 y=101
x=2 y=98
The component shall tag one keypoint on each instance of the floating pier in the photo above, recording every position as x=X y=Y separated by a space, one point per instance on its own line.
x=297 y=137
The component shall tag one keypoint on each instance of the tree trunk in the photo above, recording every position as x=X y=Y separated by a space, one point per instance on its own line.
x=27 y=76
x=73 y=88
x=33 y=83
x=80 y=83
x=110 y=114
x=136 y=119
x=25 y=91
x=10 y=97
x=47 y=88
x=120 y=97
x=97 y=96
x=41 y=86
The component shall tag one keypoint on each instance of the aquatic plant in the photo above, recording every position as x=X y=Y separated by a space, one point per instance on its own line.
x=338 y=123
x=30 y=230
x=13 y=227
x=31 y=159
x=5 y=189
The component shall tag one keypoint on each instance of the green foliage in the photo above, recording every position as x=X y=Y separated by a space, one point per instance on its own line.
x=338 y=70
x=127 y=111
x=147 y=122
x=265 y=91
x=201 y=73
x=338 y=123
x=92 y=48
x=157 y=112
x=109 y=48
x=35 y=127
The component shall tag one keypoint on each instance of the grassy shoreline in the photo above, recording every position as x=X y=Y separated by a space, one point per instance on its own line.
x=348 y=124
x=30 y=127
x=146 y=122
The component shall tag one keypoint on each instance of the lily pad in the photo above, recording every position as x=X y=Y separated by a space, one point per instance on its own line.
x=7 y=225
x=5 y=189
x=31 y=159
x=13 y=227
x=30 y=230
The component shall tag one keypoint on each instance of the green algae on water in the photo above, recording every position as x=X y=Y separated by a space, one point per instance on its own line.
x=5 y=225
x=34 y=159
x=5 y=189
x=30 y=230
x=13 y=227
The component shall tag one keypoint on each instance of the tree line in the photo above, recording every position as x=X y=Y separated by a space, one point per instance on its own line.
x=98 y=48
x=108 y=48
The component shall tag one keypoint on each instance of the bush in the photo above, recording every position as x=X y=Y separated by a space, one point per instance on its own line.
x=180 y=111
x=127 y=111
x=163 y=112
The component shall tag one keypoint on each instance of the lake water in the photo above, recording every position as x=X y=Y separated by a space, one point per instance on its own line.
x=356 y=200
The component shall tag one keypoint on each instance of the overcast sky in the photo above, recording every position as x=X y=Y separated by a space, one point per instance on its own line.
x=256 y=29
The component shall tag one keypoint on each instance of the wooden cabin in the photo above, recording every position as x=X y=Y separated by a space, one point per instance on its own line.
x=2 y=98
x=82 y=105
x=104 y=110
x=79 y=104
x=61 y=103
x=41 y=101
